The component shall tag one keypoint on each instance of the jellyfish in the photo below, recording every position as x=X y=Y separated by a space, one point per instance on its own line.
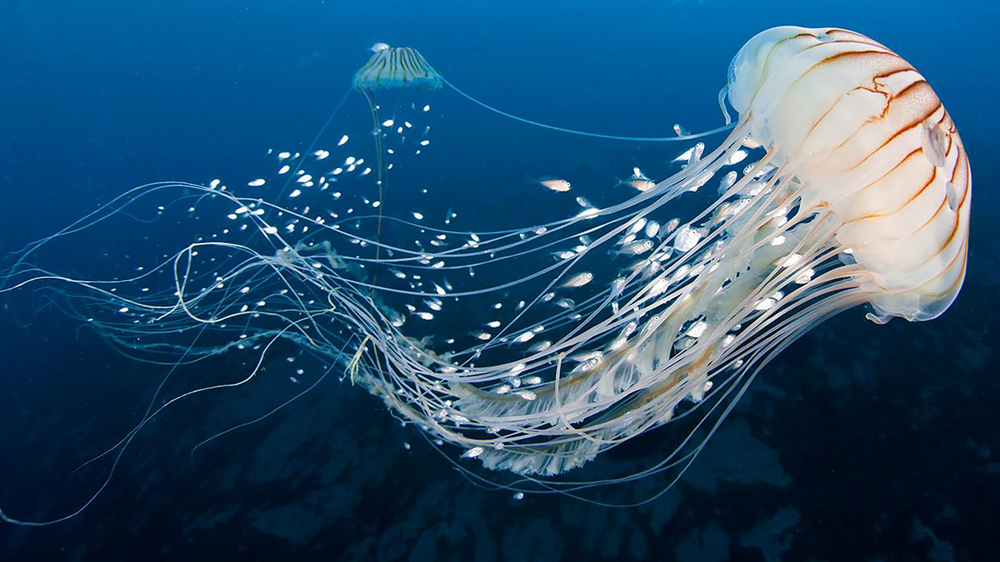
x=388 y=68
x=534 y=349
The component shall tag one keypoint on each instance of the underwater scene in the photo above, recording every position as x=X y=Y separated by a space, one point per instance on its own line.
x=679 y=280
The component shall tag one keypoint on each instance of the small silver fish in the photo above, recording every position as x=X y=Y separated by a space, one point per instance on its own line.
x=584 y=356
x=638 y=181
x=472 y=453
x=617 y=286
x=563 y=254
x=635 y=248
x=737 y=157
x=699 y=149
x=935 y=142
x=524 y=337
x=691 y=155
x=578 y=280
x=951 y=195
x=554 y=184
x=565 y=303
x=727 y=181
x=626 y=240
x=641 y=185
x=540 y=346
x=636 y=226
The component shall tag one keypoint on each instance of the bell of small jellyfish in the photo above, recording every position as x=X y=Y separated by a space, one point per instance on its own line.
x=396 y=67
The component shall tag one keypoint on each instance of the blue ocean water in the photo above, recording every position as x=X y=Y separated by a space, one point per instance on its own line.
x=859 y=442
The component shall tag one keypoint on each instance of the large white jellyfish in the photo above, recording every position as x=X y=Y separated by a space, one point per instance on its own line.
x=535 y=348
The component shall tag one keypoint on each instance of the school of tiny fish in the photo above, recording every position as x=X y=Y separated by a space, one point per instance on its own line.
x=440 y=273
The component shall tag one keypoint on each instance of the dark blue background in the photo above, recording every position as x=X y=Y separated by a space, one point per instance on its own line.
x=861 y=442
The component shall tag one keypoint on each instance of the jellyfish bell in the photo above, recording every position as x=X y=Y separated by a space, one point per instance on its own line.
x=858 y=193
x=396 y=67
x=869 y=140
